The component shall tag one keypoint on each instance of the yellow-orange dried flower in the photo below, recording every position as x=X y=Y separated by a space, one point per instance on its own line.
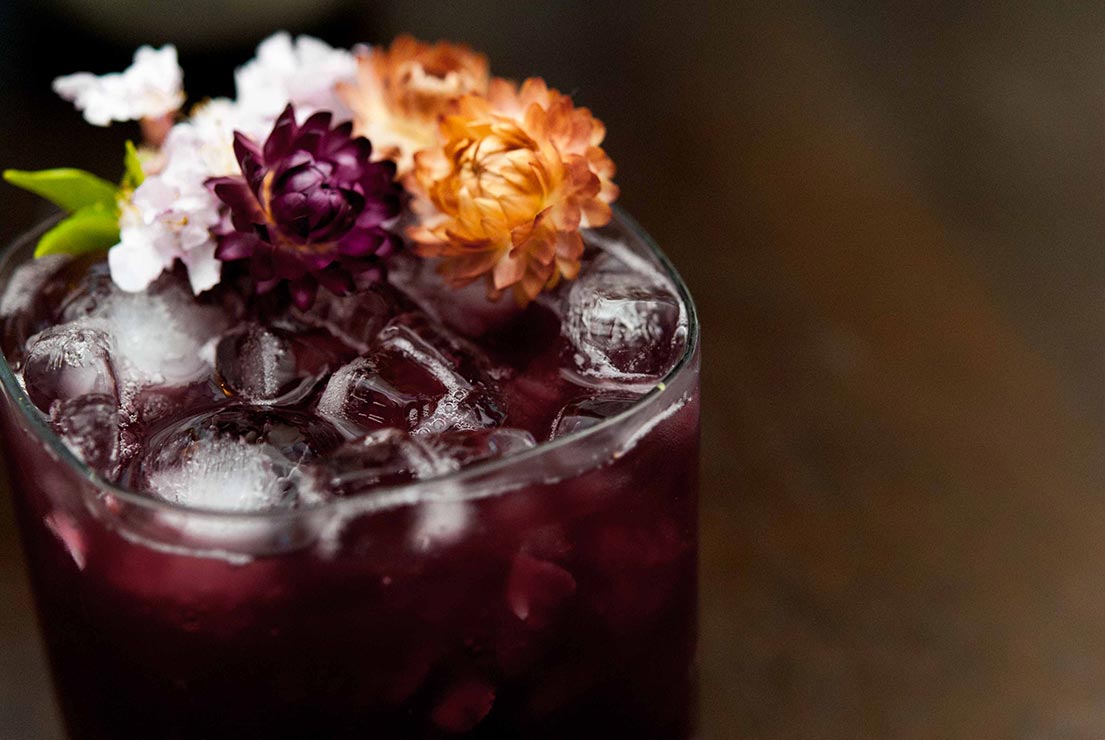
x=401 y=93
x=516 y=176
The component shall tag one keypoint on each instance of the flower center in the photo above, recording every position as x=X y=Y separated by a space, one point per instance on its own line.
x=504 y=169
x=308 y=206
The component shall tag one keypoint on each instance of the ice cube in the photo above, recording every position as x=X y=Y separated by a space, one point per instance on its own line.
x=159 y=334
x=25 y=309
x=440 y=523
x=156 y=404
x=230 y=475
x=624 y=326
x=255 y=364
x=356 y=318
x=66 y=362
x=89 y=426
x=445 y=519
x=463 y=356
x=268 y=365
x=238 y=458
x=88 y=294
x=359 y=397
x=414 y=379
x=454 y=379
x=459 y=449
x=588 y=412
x=70 y=535
x=381 y=458
x=27 y=281
x=391 y=456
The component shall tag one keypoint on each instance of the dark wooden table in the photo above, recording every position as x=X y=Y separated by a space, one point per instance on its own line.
x=893 y=224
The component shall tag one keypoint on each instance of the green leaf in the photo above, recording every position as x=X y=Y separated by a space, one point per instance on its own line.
x=69 y=188
x=93 y=228
x=134 y=176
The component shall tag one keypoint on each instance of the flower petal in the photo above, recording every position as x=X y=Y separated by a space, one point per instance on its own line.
x=361 y=242
x=515 y=176
x=204 y=268
x=236 y=246
x=308 y=206
x=134 y=265
x=150 y=88
x=278 y=144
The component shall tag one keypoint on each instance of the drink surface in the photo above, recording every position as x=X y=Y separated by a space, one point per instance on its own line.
x=224 y=403
x=542 y=600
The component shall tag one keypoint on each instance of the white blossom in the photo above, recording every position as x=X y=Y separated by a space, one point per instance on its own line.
x=207 y=138
x=303 y=72
x=170 y=215
x=150 y=88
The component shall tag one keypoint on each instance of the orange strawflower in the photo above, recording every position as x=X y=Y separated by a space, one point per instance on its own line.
x=515 y=177
x=402 y=91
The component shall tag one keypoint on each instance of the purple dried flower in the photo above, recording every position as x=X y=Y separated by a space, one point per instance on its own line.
x=309 y=208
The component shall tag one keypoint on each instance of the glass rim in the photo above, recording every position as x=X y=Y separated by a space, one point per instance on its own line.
x=384 y=497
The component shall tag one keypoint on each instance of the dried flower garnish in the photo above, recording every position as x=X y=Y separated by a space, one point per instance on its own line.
x=168 y=214
x=504 y=177
x=517 y=174
x=309 y=209
x=150 y=91
x=402 y=91
x=303 y=71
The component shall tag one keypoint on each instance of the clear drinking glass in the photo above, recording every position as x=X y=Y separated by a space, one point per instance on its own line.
x=551 y=594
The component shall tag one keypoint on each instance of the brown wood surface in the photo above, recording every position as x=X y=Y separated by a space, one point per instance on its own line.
x=892 y=221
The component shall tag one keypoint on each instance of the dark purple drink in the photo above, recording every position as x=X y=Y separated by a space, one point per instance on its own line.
x=406 y=513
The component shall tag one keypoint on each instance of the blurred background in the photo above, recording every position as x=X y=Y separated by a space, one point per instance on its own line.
x=892 y=221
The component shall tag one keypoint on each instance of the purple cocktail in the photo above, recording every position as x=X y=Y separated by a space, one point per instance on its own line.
x=403 y=513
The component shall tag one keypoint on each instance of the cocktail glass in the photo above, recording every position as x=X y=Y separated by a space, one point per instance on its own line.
x=550 y=594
